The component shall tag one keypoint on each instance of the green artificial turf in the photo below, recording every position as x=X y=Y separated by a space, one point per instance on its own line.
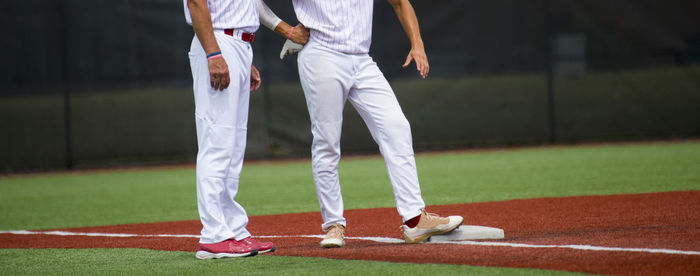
x=149 y=262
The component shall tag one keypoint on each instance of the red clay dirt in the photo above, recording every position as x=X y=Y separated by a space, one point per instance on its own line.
x=654 y=221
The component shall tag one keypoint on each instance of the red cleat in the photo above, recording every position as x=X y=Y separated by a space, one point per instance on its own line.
x=225 y=249
x=263 y=247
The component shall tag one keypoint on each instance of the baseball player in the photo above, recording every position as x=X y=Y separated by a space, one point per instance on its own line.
x=335 y=67
x=223 y=77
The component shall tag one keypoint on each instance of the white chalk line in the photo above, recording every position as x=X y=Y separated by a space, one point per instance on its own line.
x=582 y=247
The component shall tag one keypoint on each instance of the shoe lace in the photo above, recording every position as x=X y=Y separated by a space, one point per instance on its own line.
x=232 y=244
x=432 y=216
x=337 y=231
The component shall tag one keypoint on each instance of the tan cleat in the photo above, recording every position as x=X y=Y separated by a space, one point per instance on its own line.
x=429 y=225
x=335 y=237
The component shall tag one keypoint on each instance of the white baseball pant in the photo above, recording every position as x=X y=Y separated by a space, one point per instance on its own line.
x=330 y=78
x=221 y=118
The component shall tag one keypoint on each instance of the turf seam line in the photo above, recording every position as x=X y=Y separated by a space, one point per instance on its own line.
x=377 y=239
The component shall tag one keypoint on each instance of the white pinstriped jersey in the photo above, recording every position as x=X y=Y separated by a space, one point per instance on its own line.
x=341 y=25
x=231 y=14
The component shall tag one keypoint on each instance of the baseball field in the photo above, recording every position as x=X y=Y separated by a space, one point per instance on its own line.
x=625 y=209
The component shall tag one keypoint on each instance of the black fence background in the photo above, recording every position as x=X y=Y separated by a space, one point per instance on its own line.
x=97 y=83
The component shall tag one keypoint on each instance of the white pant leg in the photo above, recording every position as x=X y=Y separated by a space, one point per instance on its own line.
x=376 y=103
x=325 y=77
x=221 y=118
x=235 y=215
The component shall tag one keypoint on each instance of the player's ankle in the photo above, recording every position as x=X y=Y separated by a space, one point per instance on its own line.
x=412 y=223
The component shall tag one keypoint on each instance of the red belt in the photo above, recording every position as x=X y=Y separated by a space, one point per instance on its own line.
x=248 y=37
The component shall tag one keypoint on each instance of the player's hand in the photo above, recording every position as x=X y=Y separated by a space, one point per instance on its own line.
x=218 y=74
x=290 y=48
x=300 y=35
x=418 y=55
x=255 y=80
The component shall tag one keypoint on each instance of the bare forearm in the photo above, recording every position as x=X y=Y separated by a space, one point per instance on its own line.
x=271 y=21
x=201 y=23
x=219 y=76
x=409 y=21
x=283 y=29
x=298 y=33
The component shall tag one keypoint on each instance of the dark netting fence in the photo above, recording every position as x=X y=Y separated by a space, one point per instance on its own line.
x=94 y=83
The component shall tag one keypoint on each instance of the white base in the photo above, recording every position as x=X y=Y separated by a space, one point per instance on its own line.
x=469 y=232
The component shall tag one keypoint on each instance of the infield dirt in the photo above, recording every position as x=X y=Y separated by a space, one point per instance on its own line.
x=624 y=235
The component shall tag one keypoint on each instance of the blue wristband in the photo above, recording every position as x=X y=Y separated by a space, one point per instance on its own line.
x=213 y=54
